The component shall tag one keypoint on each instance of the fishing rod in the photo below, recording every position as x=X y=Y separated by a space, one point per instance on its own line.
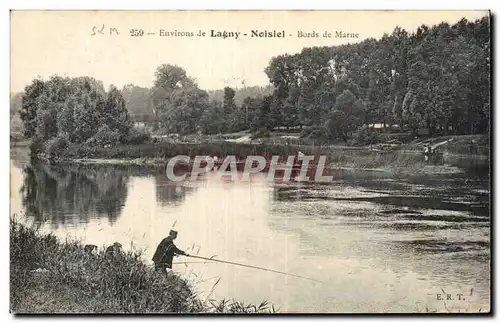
x=189 y=262
x=255 y=267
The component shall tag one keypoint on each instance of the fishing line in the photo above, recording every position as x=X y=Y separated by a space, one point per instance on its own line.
x=255 y=267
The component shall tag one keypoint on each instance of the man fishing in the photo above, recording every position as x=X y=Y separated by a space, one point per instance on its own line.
x=165 y=253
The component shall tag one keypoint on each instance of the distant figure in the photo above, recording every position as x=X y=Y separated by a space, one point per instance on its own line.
x=216 y=163
x=114 y=249
x=427 y=151
x=165 y=253
x=89 y=248
x=298 y=161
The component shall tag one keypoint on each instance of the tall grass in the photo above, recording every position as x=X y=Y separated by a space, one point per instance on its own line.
x=411 y=158
x=374 y=159
x=168 y=150
x=73 y=281
x=335 y=156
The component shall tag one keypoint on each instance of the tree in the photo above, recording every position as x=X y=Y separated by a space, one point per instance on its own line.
x=212 y=119
x=229 y=110
x=80 y=116
x=399 y=81
x=178 y=101
x=72 y=110
x=290 y=111
x=114 y=113
x=251 y=108
x=260 y=122
x=138 y=100
x=186 y=109
x=29 y=106
x=242 y=93
x=346 y=117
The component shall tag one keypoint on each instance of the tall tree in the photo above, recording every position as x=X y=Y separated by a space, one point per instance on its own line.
x=178 y=101
x=114 y=114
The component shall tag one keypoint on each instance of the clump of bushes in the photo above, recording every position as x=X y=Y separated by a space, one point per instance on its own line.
x=56 y=146
x=263 y=133
x=136 y=137
x=104 y=137
x=317 y=134
x=36 y=147
x=365 y=135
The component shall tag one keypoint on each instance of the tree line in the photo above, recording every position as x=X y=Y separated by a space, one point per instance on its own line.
x=437 y=78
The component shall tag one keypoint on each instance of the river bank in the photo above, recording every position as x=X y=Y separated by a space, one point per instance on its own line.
x=450 y=154
x=398 y=163
x=50 y=276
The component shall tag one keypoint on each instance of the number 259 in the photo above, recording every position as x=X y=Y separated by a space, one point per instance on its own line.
x=136 y=32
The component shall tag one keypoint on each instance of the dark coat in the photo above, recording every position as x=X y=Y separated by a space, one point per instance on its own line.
x=165 y=252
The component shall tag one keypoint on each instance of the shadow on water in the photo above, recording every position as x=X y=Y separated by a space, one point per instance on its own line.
x=64 y=194
x=170 y=193
x=443 y=246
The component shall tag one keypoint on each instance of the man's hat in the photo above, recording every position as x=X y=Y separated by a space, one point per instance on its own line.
x=173 y=232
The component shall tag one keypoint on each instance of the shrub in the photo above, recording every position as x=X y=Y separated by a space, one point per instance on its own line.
x=365 y=135
x=36 y=146
x=136 y=137
x=56 y=146
x=317 y=134
x=104 y=137
x=261 y=133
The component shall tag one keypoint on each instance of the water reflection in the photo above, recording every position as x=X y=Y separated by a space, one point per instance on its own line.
x=65 y=195
x=380 y=243
x=170 y=193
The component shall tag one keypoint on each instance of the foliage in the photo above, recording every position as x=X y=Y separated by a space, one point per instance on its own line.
x=136 y=137
x=105 y=137
x=56 y=146
x=261 y=120
x=36 y=147
x=115 y=115
x=232 y=306
x=261 y=133
x=177 y=100
x=74 y=108
x=318 y=134
x=436 y=78
x=241 y=93
x=365 y=135
x=166 y=150
x=346 y=116
x=138 y=100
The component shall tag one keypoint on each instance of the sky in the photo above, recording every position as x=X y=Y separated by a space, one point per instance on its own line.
x=45 y=43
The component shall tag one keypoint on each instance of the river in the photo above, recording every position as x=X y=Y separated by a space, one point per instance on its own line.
x=376 y=241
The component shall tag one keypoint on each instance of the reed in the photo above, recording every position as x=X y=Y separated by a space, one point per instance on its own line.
x=167 y=150
x=52 y=276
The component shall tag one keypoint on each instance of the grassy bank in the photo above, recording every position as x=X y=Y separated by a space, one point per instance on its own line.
x=167 y=150
x=456 y=145
x=408 y=158
x=73 y=281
